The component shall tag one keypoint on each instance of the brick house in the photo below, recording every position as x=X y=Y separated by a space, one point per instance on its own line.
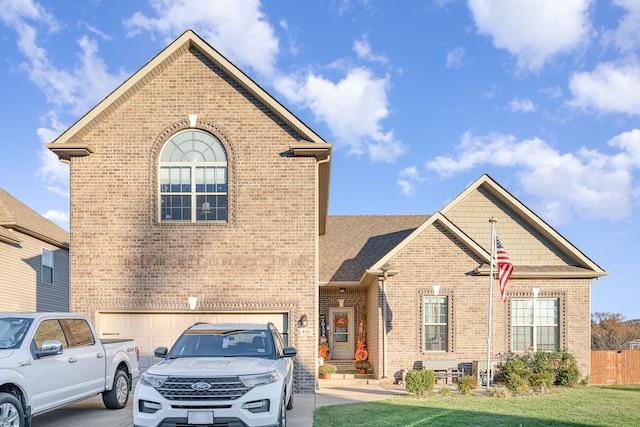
x=196 y=196
x=34 y=260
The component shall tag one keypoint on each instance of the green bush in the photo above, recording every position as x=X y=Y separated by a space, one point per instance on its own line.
x=467 y=384
x=517 y=384
x=540 y=370
x=445 y=391
x=567 y=373
x=420 y=382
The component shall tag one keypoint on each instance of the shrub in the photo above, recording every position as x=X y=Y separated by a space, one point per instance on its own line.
x=517 y=384
x=467 y=384
x=445 y=391
x=327 y=368
x=540 y=370
x=567 y=373
x=420 y=382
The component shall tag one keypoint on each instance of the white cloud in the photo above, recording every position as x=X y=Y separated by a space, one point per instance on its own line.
x=533 y=31
x=610 y=88
x=455 y=57
x=59 y=217
x=364 y=51
x=353 y=108
x=586 y=183
x=625 y=36
x=522 y=105
x=237 y=28
x=407 y=180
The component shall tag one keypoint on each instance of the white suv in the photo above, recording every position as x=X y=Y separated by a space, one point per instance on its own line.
x=218 y=374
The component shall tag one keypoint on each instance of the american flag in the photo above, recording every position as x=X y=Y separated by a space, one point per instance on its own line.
x=505 y=268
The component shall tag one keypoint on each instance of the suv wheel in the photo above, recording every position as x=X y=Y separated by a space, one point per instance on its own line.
x=282 y=418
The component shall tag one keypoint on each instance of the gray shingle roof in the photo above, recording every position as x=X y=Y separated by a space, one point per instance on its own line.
x=16 y=215
x=355 y=243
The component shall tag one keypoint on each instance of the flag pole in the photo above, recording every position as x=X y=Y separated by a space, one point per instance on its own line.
x=493 y=245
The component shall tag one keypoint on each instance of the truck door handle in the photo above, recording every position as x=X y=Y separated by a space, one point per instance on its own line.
x=100 y=355
x=73 y=360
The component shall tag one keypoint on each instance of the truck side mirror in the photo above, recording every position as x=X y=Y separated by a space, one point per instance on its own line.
x=49 y=348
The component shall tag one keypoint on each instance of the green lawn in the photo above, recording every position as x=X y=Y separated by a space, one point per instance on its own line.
x=579 y=406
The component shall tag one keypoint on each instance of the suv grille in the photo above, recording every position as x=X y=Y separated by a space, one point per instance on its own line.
x=222 y=388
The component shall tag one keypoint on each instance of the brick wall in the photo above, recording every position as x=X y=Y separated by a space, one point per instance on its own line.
x=436 y=257
x=263 y=259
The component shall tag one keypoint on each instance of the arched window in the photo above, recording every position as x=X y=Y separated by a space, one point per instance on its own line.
x=193 y=178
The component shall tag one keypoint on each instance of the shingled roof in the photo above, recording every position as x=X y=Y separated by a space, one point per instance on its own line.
x=352 y=244
x=15 y=215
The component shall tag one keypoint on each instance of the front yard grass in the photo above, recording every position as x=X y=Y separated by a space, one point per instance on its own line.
x=579 y=406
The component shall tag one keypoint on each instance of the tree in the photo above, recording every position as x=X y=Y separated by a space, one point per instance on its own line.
x=609 y=331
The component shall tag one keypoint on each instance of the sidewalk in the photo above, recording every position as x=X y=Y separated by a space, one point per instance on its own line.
x=304 y=404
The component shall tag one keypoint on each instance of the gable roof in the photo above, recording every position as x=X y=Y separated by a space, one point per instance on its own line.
x=70 y=143
x=15 y=215
x=582 y=266
x=579 y=260
x=359 y=246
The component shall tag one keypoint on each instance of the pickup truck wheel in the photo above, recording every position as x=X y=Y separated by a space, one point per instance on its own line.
x=11 y=413
x=118 y=396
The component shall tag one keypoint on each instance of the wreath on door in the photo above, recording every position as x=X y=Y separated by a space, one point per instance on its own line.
x=341 y=321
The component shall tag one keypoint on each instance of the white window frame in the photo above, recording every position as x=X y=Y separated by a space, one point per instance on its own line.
x=189 y=156
x=434 y=320
x=47 y=264
x=540 y=314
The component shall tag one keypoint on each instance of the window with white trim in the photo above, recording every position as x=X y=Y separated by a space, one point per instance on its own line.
x=193 y=178
x=46 y=266
x=436 y=321
x=535 y=324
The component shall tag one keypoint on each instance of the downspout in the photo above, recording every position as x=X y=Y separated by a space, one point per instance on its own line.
x=317 y=264
x=385 y=275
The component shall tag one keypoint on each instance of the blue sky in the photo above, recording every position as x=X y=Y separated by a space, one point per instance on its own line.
x=419 y=98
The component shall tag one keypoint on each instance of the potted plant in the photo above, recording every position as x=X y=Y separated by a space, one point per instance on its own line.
x=363 y=366
x=326 y=370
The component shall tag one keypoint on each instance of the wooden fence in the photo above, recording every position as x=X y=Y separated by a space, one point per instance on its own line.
x=615 y=367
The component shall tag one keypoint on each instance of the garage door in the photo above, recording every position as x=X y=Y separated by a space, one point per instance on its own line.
x=153 y=330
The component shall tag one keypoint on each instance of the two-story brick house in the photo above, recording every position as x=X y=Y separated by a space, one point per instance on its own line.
x=195 y=195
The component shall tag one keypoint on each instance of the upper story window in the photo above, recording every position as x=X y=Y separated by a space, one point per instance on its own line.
x=193 y=178
x=435 y=323
x=47 y=266
x=535 y=324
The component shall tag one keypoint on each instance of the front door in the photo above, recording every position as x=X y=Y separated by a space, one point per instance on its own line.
x=341 y=332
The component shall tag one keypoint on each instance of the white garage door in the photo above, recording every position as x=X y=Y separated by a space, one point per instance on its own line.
x=153 y=330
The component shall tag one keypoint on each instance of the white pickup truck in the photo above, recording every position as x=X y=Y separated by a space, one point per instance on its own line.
x=48 y=360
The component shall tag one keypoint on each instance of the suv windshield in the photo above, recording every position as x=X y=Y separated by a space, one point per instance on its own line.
x=223 y=343
x=12 y=331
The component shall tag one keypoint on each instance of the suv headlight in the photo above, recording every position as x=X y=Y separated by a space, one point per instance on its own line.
x=259 y=379
x=151 y=380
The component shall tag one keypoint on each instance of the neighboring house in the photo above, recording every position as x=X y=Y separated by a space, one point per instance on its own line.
x=196 y=196
x=34 y=260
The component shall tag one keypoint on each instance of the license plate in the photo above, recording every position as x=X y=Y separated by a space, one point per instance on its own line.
x=200 y=418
